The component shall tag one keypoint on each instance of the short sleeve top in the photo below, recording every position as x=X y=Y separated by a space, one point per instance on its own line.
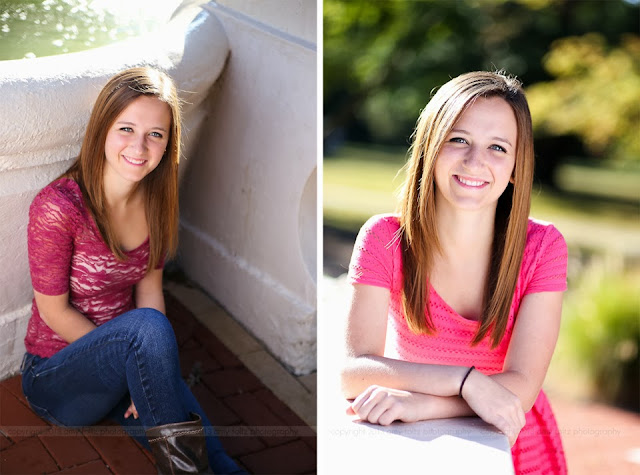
x=67 y=254
x=377 y=261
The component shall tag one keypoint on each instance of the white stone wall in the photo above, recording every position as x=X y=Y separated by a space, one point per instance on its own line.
x=248 y=198
x=44 y=107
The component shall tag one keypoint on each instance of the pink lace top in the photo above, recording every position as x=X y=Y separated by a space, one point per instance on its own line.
x=67 y=254
x=377 y=260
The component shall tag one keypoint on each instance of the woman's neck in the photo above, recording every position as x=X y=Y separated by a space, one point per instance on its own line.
x=464 y=234
x=120 y=194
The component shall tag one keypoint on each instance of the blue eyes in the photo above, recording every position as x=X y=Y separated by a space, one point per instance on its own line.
x=157 y=135
x=495 y=147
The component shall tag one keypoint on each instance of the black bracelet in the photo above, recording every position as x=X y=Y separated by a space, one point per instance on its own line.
x=464 y=379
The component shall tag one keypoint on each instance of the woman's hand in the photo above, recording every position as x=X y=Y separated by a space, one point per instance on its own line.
x=494 y=404
x=380 y=405
x=131 y=411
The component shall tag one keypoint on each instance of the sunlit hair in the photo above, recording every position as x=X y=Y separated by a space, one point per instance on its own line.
x=418 y=212
x=160 y=187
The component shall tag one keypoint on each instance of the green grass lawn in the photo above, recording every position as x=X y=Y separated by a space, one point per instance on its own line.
x=359 y=182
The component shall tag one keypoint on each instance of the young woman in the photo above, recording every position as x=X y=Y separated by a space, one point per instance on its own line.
x=98 y=342
x=456 y=301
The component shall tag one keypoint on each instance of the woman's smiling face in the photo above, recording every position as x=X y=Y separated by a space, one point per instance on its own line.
x=477 y=158
x=137 y=140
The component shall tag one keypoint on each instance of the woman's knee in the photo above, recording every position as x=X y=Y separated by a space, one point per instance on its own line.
x=152 y=328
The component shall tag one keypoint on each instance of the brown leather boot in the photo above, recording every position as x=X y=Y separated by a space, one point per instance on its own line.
x=179 y=447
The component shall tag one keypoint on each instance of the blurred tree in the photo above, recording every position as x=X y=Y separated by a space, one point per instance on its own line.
x=595 y=94
x=601 y=325
x=379 y=60
x=382 y=59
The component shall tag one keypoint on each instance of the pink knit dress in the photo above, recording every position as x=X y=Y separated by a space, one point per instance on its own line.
x=377 y=261
x=67 y=254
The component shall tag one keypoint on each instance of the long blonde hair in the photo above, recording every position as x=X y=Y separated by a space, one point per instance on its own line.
x=417 y=206
x=160 y=187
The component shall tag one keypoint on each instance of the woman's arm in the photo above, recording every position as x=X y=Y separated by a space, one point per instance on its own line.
x=70 y=324
x=373 y=380
x=62 y=317
x=365 y=364
x=534 y=338
x=530 y=350
x=380 y=405
x=148 y=291
x=50 y=235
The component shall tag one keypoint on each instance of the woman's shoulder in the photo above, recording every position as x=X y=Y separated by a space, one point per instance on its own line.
x=539 y=230
x=382 y=223
x=543 y=238
x=379 y=235
x=63 y=195
x=375 y=253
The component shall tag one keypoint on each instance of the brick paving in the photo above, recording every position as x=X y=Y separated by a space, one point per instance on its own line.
x=257 y=429
x=598 y=438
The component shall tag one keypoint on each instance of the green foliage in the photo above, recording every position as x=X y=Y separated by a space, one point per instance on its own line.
x=382 y=60
x=595 y=94
x=601 y=328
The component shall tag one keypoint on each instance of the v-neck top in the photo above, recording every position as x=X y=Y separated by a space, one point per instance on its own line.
x=377 y=261
x=67 y=254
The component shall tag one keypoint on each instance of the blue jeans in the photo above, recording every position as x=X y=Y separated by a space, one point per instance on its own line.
x=132 y=357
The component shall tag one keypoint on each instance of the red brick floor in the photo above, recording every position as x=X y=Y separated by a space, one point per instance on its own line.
x=257 y=429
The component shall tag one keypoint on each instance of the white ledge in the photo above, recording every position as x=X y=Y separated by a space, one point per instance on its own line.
x=440 y=446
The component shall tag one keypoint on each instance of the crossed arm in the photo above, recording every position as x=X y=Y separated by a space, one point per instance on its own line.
x=63 y=318
x=385 y=389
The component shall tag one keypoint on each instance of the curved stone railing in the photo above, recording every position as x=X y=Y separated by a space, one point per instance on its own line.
x=248 y=198
x=44 y=107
